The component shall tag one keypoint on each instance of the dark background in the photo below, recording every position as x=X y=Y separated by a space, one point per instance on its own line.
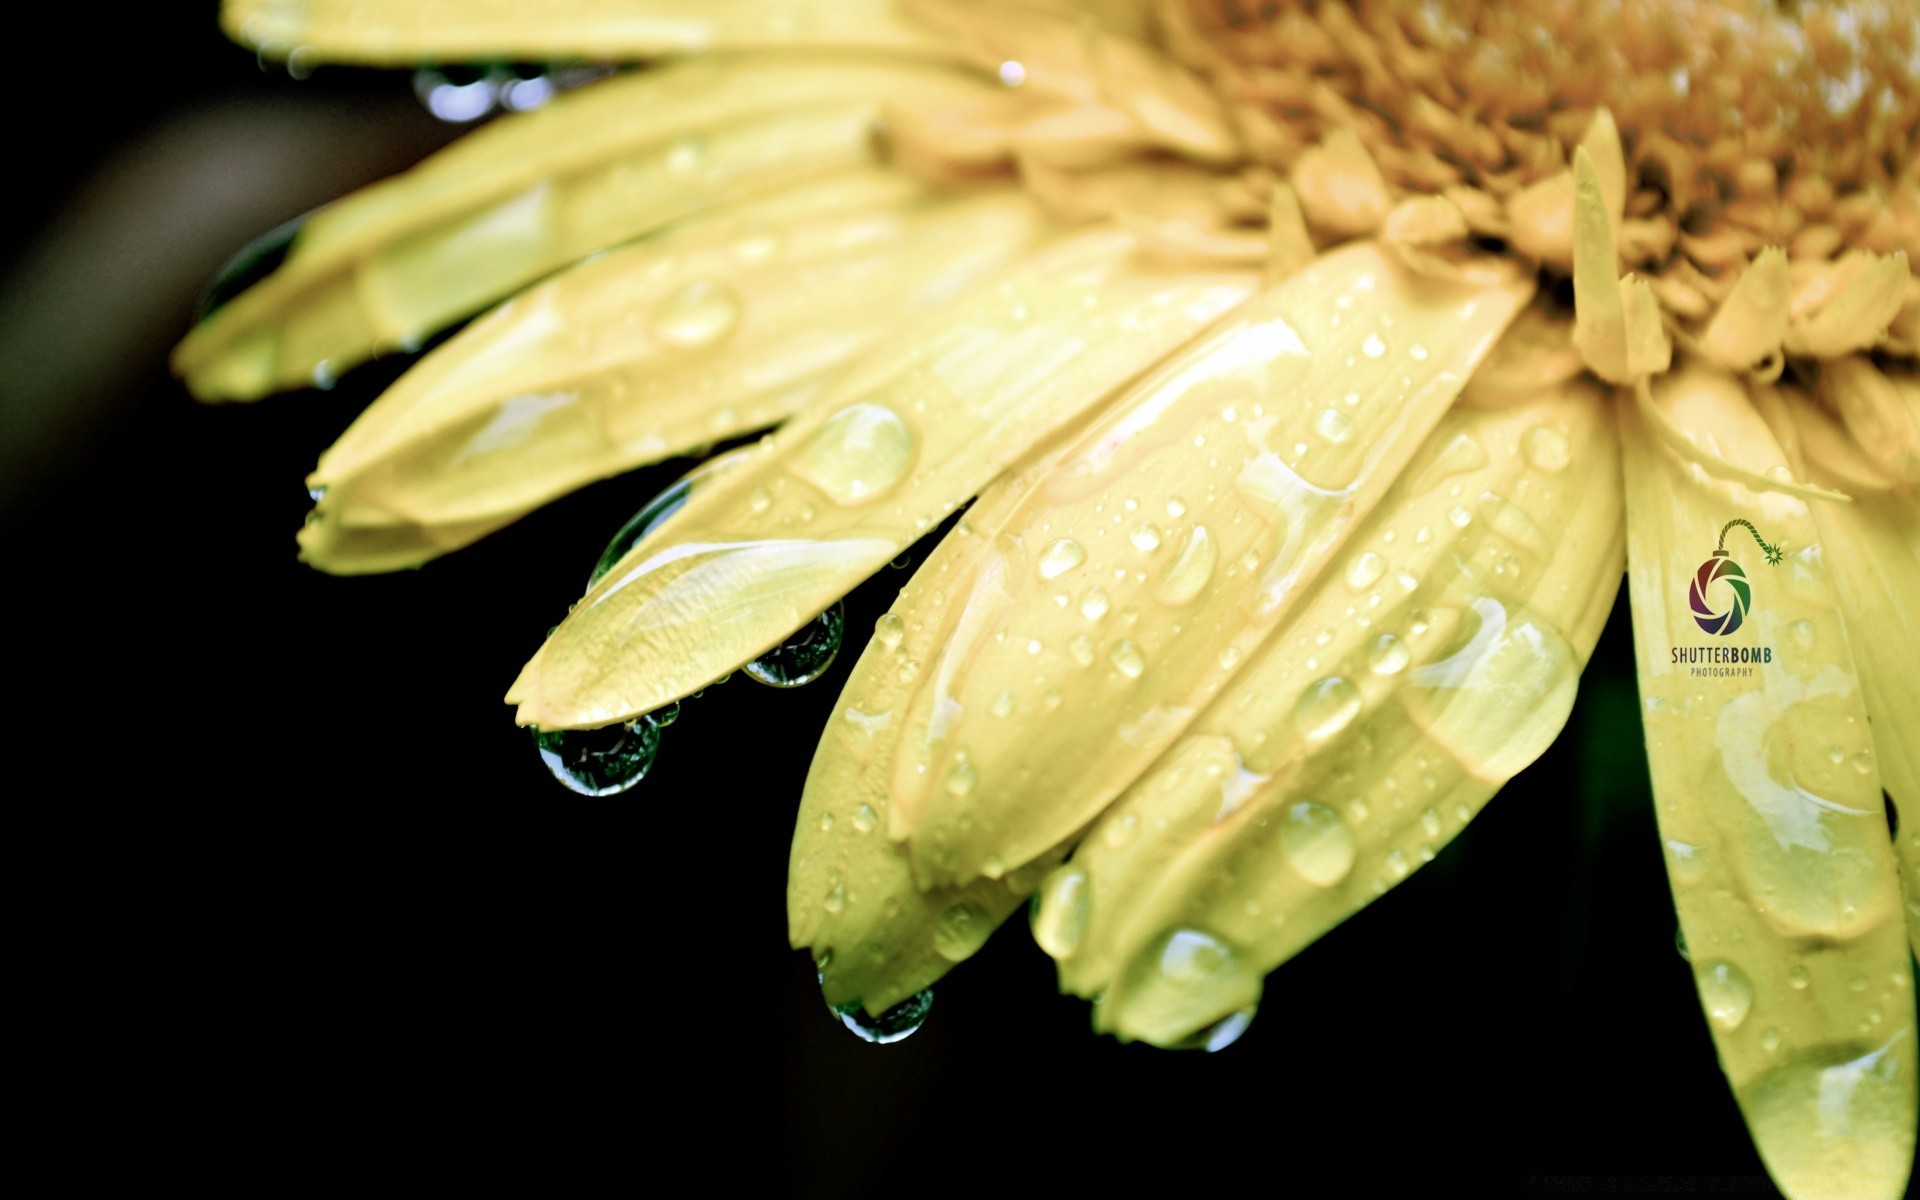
x=310 y=900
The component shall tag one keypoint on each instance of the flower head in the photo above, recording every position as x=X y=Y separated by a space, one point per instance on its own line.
x=1312 y=373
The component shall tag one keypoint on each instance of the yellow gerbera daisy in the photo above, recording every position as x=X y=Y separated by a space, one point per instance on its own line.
x=1316 y=370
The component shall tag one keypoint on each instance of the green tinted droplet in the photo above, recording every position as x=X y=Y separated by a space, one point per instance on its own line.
x=1317 y=843
x=698 y=313
x=902 y=1020
x=1061 y=910
x=962 y=929
x=857 y=454
x=253 y=262
x=600 y=762
x=805 y=656
x=655 y=512
x=1726 y=994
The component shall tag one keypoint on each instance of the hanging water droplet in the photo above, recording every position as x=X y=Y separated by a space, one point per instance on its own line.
x=857 y=454
x=1181 y=987
x=600 y=762
x=317 y=493
x=1060 y=557
x=666 y=714
x=806 y=655
x=1388 y=655
x=1680 y=943
x=1221 y=1034
x=1546 y=448
x=1326 y=708
x=962 y=929
x=902 y=1020
x=250 y=264
x=1317 y=843
x=1190 y=570
x=1061 y=910
x=1726 y=994
x=698 y=313
x=655 y=512
x=457 y=94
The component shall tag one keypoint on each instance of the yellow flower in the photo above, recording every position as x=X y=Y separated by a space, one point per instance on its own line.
x=1317 y=372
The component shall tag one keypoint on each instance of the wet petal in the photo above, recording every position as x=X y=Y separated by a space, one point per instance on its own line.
x=729 y=324
x=1177 y=529
x=1435 y=661
x=896 y=444
x=1778 y=851
x=535 y=191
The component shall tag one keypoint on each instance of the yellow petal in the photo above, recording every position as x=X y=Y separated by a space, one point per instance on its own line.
x=1601 y=144
x=1292 y=246
x=1178 y=528
x=729 y=324
x=1600 y=316
x=1752 y=322
x=403 y=32
x=1346 y=754
x=896 y=444
x=1540 y=220
x=1340 y=187
x=535 y=191
x=1777 y=845
x=1881 y=410
x=1855 y=318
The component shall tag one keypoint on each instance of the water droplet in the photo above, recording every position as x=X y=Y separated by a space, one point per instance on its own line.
x=1770 y=1040
x=1002 y=705
x=889 y=629
x=864 y=818
x=1546 y=448
x=1060 y=557
x=1080 y=646
x=1680 y=943
x=962 y=929
x=1127 y=659
x=253 y=262
x=1387 y=655
x=836 y=900
x=666 y=714
x=1317 y=843
x=961 y=776
x=902 y=1020
x=1326 y=707
x=1061 y=909
x=1726 y=994
x=806 y=655
x=698 y=313
x=1497 y=701
x=1190 y=570
x=1181 y=988
x=1365 y=570
x=757 y=243
x=1093 y=605
x=857 y=454
x=1145 y=539
x=1511 y=522
x=1373 y=347
x=1798 y=977
x=1460 y=455
x=1013 y=73
x=1801 y=632
x=1834 y=1112
x=654 y=513
x=1333 y=425
x=1176 y=507
x=1119 y=832
x=686 y=153
x=1460 y=517
x=600 y=762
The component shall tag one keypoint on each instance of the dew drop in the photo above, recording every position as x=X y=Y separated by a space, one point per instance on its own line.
x=1365 y=570
x=1726 y=994
x=686 y=153
x=864 y=818
x=654 y=513
x=1190 y=570
x=1317 y=843
x=961 y=776
x=836 y=900
x=1127 y=658
x=1060 y=557
x=902 y=1020
x=857 y=454
x=1333 y=425
x=253 y=262
x=889 y=629
x=1002 y=705
x=600 y=762
x=1326 y=708
x=1061 y=909
x=698 y=313
x=1498 y=701
x=1080 y=646
x=1373 y=347
x=1546 y=448
x=1093 y=605
x=806 y=655
x=1387 y=655
x=962 y=929
x=1145 y=539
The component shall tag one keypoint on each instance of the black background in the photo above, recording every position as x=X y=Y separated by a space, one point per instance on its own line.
x=313 y=909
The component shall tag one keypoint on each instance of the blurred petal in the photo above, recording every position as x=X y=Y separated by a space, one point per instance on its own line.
x=535 y=191
x=1777 y=844
x=727 y=324
x=1881 y=409
x=1398 y=697
x=896 y=444
x=1177 y=529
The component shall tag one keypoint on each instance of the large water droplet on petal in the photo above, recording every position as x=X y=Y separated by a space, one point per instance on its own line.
x=655 y=512
x=1060 y=557
x=1326 y=708
x=1182 y=984
x=857 y=454
x=600 y=762
x=962 y=929
x=1061 y=910
x=806 y=655
x=1835 y=1112
x=902 y=1020
x=698 y=313
x=1317 y=843
x=1497 y=702
x=1726 y=994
